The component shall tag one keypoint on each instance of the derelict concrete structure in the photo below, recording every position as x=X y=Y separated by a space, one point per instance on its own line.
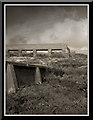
x=37 y=47
x=34 y=72
x=18 y=75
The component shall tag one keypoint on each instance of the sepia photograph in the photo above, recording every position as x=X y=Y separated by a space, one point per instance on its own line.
x=46 y=59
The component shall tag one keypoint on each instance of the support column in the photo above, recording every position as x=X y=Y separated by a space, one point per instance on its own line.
x=19 y=53
x=34 y=52
x=38 y=76
x=11 y=82
x=49 y=52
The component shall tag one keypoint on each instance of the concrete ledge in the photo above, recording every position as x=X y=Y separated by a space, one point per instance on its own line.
x=36 y=47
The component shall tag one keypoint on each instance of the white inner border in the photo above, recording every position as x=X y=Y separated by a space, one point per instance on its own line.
x=5 y=57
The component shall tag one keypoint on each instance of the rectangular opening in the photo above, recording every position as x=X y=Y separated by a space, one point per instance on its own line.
x=42 y=52
x=25 y=75
x=13 y=52
x=57 y=53
x=28 y=53
x=56 y=50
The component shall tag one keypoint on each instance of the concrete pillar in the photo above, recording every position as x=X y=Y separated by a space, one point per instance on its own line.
x=49 y=52
x=11 y=82
x=19 y=53
x=38 y=76
x=34 y=52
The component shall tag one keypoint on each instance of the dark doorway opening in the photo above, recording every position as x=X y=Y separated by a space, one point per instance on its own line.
x=25 y=76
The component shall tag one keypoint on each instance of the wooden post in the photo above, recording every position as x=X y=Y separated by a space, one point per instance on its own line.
x=38 y=76
x=11 y=82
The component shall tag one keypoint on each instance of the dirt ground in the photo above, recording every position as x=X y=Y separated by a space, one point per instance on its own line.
x=64 y=90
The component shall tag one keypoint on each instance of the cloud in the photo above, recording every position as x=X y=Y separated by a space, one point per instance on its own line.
x=51 y=26
x=74 y=33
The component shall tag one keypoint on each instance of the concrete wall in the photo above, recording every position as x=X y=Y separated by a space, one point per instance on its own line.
x=35 y=47
x=19 y=76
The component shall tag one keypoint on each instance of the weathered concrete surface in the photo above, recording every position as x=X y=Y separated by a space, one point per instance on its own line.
x=36 y=47
x=23 y=73
x=11 y=82
x=26 y=61
x=26 y=71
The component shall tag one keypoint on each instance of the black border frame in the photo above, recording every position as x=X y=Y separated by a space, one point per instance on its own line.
x=90 y=117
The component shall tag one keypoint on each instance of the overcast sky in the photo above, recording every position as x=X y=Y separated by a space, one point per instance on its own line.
x=37 y=25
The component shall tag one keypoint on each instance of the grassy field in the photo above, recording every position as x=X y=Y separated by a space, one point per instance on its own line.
x=63 y=92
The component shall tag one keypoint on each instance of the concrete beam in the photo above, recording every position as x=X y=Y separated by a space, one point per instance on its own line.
x=11 y=82
x=35 y=47
x=38 y=76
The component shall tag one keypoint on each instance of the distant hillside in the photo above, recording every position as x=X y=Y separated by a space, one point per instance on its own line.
x=79 y=50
